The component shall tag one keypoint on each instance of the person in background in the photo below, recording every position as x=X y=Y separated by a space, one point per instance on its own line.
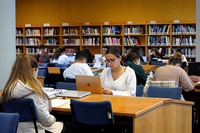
x=117 y=79
x=79 y=67
x=60 y=56
x=137 y=50
x=182 y=56
x=90 y=55
x=23 y=83
x=102 y=60
x=153 y=55
x=133 y=61
x=42 y=56
x=173 y=72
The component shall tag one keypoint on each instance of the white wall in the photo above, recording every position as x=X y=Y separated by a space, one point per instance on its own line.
x=7 y=39
x=197 y=30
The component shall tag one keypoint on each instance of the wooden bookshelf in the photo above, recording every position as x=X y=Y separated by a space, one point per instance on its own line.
x=75 y=36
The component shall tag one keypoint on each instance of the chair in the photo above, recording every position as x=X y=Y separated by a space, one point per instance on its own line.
x=69 y=80
x=139 y=90
x=157 y=63
x=92 y=115
x=143 y=63
x=64 y=85
x=42 y=65
x=9 y=122
x=51 y=65
x=42 y=72
x=165 y=92
x=62 y=65
x=24 y=107
x=183 y=65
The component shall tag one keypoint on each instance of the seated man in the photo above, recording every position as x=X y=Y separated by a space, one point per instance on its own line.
x=42 y=56
x=79 y=67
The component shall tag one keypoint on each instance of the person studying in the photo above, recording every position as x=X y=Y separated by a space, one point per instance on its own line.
x=60 y=56
x=117 y=79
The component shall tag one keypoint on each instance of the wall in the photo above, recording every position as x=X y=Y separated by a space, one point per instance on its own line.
x=59 y=11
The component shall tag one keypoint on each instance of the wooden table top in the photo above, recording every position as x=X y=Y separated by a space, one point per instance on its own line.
x=125 y=105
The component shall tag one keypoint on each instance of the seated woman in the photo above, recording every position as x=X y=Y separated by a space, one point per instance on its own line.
x=154 y=55
x=23 y=83
x=60 y=56
x=133 y=61
x=172 y=72
x=117 y=79
x=79 y=67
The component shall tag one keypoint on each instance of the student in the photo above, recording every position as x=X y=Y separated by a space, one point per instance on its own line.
x=23 y=83
x=79 y=67
x=60 y=56
x=90 y=55
x=117 y=79
x=133 y=61
x=182 y=56
x=136 y=50
x=42 y=56
x=102 y=60
x=154 y=55
x=172 y=72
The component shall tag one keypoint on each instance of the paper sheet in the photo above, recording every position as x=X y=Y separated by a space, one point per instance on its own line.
x=58 y=102
x=97 y=63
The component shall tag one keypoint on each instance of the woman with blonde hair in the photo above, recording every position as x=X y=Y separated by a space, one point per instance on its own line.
x=23 y=83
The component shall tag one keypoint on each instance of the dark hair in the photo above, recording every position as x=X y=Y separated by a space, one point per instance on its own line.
x=114 y=50
x=178 y=50
x=106 y=47
x=58 y=52
x=41 y=46
x=156 y=51
x=89 y=54
x=80 y=55
x=176 y=59
x=33 y=62
x=135 y=49
x=131 y=56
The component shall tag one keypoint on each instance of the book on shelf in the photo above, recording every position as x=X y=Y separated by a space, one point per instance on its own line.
x=125 y=51
x=72 y=31
x=111 y=41
x=111 y=30
x=51 y=51
x=133 y=30
x=31 y=50
x=19 y=41
x=158 y=29
x=19 y=32
x=18 y=51
x=50 y=31
x=32 y=41
x=91 y=41
x=186 y=41
x=71 y=41
x=130 y=41
x=90 y=31
x=71 y=51
x=183 y=29
x=158 y=40
x=51 y=41
x=32 y=32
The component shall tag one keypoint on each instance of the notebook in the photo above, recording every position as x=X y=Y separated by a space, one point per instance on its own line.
x=76 y=94
x=89 y=83
x=194 y=68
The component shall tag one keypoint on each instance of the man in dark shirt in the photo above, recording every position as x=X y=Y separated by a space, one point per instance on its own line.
x=42 y=56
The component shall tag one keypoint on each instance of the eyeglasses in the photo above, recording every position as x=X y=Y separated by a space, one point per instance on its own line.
x=110 y=61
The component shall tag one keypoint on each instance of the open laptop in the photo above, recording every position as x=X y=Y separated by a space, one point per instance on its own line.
x=89 y=83
x=144 y=58
x=194 y=68
x=75 y=94
x=71 y=58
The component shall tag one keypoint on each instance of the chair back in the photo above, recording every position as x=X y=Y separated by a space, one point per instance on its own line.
x=51 y=65
x=69 y=80
x=183 y=65
x=157 y=63
x=42 y=65
x=143 y=63
x=139 y=90
x=165 y=92
x=67 y=86
x=9 y=122
x=92 y=113
x=62 y=65
x=42 y=72
x=53 y=70
x=24 y=107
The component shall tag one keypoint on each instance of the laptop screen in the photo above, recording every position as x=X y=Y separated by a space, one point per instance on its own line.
x=144 y=58
x=71 y=58
x=194 y=68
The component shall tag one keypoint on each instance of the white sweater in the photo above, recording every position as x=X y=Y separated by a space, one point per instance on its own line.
x=62 y=59
x=77 y=69
x=125 y=85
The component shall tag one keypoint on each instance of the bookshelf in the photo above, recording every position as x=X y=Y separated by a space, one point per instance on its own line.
x=163 y=35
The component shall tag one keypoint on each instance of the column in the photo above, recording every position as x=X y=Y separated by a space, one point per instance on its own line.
x=197 y=30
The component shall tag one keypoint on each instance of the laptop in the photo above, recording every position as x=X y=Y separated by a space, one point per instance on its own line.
x=144 y=58
x=89 y=83
x=194 y=68
x=71 y=58
x=75 y=94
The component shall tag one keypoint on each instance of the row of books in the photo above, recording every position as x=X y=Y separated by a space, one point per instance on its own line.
x=32 y=32
x=18 y=32
x=71 y=50
x=111 y=41
x=18 y=51
x=91 y=41
x=189 y=52
x=31 y=50
x=50 y=31
x=133 y=30
x=159 y=29
x=32 y=41
x=188 y=41
x=125 y=51
x=51 y=41
x=51 y=51
x=158 y=40
x=130 y=41
x=90 y=31
x=19 y=41
x=112 y=30
x=183 y=29
x=71 y=41
x=73 y=31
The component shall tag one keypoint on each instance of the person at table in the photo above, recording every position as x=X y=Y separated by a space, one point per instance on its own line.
x=117 y=79
x=153 y=55
x=79 y=67
x=133 y=61
x=42 y=56
x=137 y=50
x=182 y=55
x=23 y=83
x=173 y=72
x=103 y=58
x=60 y=56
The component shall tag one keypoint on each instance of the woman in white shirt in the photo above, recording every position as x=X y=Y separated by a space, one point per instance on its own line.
x=117 y=79
x=60 y=56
